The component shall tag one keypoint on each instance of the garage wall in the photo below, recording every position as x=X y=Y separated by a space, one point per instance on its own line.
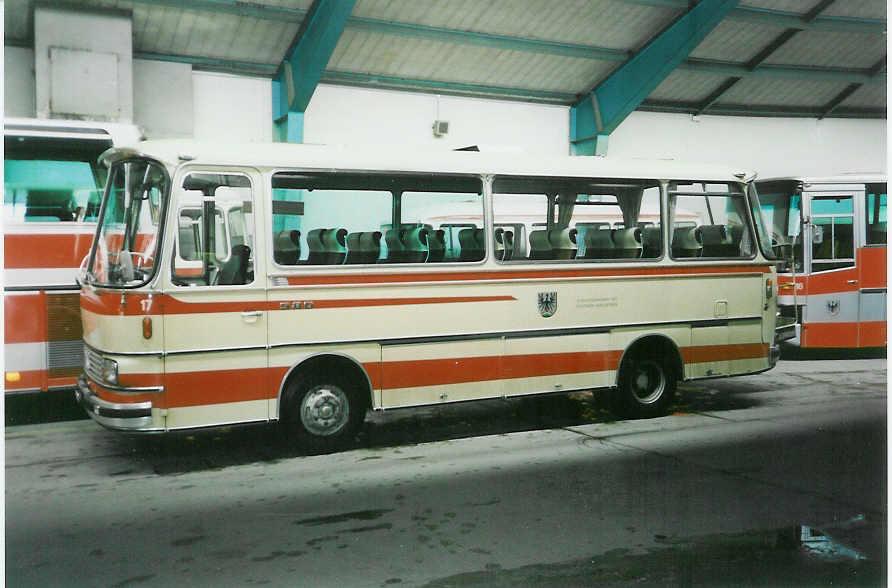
x=770 y=146
x=18 y=82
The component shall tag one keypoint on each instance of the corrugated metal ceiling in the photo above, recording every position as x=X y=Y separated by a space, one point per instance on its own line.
x=767 y=57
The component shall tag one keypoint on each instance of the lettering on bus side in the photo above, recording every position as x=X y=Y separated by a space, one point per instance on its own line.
x=296 y=305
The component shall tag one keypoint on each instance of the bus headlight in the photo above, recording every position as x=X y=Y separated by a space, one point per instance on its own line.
x=110 y=371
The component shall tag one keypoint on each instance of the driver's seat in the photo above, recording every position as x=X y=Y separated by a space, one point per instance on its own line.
x=235 y=270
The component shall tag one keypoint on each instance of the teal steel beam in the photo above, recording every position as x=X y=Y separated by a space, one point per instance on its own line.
x=782 y=18
x=751 y=110
x=602 y=110
x=383 y=82
x=304 y=63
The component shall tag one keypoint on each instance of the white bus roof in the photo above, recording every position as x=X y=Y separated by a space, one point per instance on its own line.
x=120 y=134
x=844 y=178
x=396 y=159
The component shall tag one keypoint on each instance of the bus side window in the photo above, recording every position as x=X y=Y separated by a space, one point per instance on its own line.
x=577 y=220
x=833 y=239
x=352 y=219
x=876 y=214
x=709 y=221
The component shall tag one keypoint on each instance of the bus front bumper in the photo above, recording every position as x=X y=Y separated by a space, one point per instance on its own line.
x=136 y=416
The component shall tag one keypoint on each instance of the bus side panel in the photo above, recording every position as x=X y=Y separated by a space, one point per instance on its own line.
x=555 y=364
x=428 y=373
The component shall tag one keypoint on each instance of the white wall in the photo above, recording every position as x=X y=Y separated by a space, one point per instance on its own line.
x=163 y=100
x=342 y=115
x=232 y=108
x=770 y=146
x=18 y=82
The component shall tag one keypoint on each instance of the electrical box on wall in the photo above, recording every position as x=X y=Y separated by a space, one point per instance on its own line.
x=441 y=127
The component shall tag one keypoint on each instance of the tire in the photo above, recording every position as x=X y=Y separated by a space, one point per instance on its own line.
x=323 y=412
x=646 y=388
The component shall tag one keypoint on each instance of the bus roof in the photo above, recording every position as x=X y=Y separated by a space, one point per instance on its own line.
x=117 y=133
x=396 y=159
x=844 y=178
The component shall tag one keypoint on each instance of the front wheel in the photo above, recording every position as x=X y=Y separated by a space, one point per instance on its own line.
x=646 y=388
x=323 y=412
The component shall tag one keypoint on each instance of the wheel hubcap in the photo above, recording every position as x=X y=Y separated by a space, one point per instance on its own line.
x=648 y=382
x=324 y=410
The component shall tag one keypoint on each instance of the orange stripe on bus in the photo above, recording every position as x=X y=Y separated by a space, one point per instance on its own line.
x=223 y=386
x=872 y=262
x=140 y=304
x=45 y=251
x=217 y=387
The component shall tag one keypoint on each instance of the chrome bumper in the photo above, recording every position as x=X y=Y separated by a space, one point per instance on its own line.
x=135 y=416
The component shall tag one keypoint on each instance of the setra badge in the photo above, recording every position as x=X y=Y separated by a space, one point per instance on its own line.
x=547 y=303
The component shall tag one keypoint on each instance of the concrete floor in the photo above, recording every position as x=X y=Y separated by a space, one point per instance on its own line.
x=487 y=494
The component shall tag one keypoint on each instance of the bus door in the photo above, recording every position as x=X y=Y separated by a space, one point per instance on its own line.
x=832 y=313
x=871 y=261
x=215 y=317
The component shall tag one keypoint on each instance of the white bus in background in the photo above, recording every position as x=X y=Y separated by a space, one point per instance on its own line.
x=342 y=291
x=52 y=188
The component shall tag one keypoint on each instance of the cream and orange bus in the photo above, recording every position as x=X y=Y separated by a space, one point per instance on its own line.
x=830 y=235
x=347 y=285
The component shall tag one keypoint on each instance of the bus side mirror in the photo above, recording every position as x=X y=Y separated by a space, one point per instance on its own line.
x=818 y=236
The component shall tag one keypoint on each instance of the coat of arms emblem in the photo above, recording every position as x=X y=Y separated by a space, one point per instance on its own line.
x=547 y=303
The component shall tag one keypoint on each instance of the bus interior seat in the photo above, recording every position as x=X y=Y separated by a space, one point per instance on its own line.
x=415 y=241
x=599 y=244
x=508 y=240
x=470 y=248
x=370 y=245
x=335 y=246
x=717 y=242
x=50 y=205
x=286 y=247
x=563 y=243
x=651 y=241
x=877 y=233
x=396 y=250
x=235 y=270
x=315 y=247
x=628 y=243
x=540 y=247
x=354 y=248
x=504 y=243
x=436 y=245
x=686 y=242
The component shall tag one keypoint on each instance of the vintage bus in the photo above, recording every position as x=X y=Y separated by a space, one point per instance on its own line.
x=830 y=235
x=347 y=285
x=52 y=189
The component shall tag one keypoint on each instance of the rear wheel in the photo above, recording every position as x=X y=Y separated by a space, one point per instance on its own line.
x=646 y=387
x=323 y=411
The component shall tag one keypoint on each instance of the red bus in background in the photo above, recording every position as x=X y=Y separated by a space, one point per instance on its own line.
x=52 y=188
x=830 y=233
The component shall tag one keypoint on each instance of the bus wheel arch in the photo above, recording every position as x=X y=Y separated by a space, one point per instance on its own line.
x=646 y=378
x=323 y=401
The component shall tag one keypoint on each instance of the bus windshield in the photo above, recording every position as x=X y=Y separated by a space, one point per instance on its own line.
x=781 y=205
x=129 y=232
x=47 y=180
